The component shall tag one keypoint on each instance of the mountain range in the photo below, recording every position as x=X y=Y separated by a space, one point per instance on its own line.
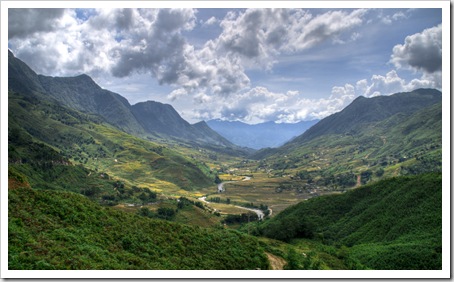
x=261 y=135
x=149 y=119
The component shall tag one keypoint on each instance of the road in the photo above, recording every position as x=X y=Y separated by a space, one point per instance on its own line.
x=259 y=213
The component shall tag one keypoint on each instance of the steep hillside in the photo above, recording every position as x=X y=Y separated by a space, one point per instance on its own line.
x=21 y=78
x=152 y=120
x=84 y=139
x=363 y=112
x=164 y=119
x=62 y=230
x=392 y=224
x=406 y=142
x=262 y=135
x=83 y=94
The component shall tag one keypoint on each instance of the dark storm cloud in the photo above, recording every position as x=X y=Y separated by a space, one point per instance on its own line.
x=119 y=20
x=160 y=57
x=23 y=22
x=421 y=51
x=157 y=48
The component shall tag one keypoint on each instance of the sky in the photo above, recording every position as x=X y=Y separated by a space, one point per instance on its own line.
x=251 y=65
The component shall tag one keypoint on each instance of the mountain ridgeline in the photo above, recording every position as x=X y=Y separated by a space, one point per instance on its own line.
x=364 y=112
x=152 y=120
x=399 y=133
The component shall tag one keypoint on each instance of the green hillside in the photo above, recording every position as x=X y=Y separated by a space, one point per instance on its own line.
x=364 y=112
x=83 y=139
x=392 y=224
x=63 y=230
x=401 y=144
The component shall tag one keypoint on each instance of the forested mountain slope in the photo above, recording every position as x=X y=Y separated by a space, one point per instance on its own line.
x=364 y=112
x=40 y=129
x=392 y=224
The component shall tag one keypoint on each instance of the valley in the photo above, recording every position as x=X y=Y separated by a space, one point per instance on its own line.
x=302 y=205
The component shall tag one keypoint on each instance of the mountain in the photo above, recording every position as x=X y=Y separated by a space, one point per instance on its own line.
x=147 y=119
x=370 y=139
x=164 y=119
x=258 y=136
x=83 y=94
x=363 y=112
x=21 y=78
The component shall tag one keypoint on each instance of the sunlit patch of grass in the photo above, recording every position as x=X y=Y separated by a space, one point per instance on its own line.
x=227 y=209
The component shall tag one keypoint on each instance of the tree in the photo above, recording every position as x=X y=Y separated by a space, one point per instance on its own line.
x=380 y=172
x=166 y=213
x=365 y=176
x=145 y=212
x=293 y=262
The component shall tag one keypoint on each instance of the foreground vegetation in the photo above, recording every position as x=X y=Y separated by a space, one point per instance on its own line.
x=64 y=230
x=392 y=224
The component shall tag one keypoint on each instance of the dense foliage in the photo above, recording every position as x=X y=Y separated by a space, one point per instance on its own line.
x=63 y=230
x=393 y=224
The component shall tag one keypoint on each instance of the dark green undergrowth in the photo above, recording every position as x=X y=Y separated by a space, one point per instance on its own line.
x=63 y=230
x=392 y=224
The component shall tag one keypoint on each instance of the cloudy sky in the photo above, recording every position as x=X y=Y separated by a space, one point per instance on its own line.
x=252 y=65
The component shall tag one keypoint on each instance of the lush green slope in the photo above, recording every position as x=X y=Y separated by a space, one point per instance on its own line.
x=392 y=224
x=363 y=112
x=63 y=230
x=84 y=139
x=404 y=143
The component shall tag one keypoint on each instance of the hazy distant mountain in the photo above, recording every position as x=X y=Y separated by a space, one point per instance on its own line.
x=262 y=135
x=145 y=119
